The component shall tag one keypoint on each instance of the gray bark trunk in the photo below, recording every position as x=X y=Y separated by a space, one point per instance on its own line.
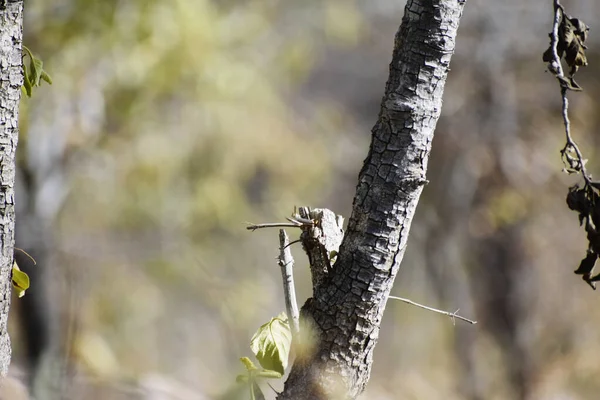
x=11 y=79
x=347 y=306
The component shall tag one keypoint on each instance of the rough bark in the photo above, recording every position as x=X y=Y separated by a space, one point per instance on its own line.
x=11 y=79
x=346 y=310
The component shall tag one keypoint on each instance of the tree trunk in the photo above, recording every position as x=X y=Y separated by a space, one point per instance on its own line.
x=11 y=79
x=347 y=306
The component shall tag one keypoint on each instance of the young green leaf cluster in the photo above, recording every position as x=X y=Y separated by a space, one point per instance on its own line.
x=271 y=345
x=35 y=74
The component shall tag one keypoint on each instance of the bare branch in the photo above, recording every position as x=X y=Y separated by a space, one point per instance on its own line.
x=286 y=262
x=301 y=221
x=295 y=222
x=555 y=66
x=453 y=315
x=253 y=227
x=567 y=38
x=293 y=242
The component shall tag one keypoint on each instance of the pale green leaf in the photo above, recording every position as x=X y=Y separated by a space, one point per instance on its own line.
x=46 y=77
x=271 y=344
x=26 y=82
x=20 y=280
x=33 y=75
x=37 y=67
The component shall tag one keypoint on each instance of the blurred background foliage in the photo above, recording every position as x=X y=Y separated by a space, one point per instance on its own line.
x=171 y=124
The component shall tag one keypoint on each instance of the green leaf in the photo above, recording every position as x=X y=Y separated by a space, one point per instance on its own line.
x=248 y=364
x=271 y=344
x=26 y=82
x=37 y=67
x=46 y=77
x=33 y=75
x=20 y=280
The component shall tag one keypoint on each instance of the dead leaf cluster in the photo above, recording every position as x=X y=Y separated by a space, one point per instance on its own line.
x=586 y=202
x=572 y=34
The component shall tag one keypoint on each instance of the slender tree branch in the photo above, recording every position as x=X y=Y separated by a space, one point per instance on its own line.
x=297 y=219
x=293 y=242
x=253 y=227
x=556 y=68
x=286 y=262
x=567 y=38
x=453 y=315
x=295 y=222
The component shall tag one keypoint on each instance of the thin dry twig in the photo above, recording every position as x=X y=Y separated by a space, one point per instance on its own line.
x=293 y=242
x=286 y=262
x=253 y=227
x=567 y=38
x=557 y=69
x=453 y=315
x=301 y=221
x=27 y=254
x=273 y=389
x=295 y=222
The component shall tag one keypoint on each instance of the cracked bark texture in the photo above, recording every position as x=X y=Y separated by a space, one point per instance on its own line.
x=11 y=79
x=346 y=310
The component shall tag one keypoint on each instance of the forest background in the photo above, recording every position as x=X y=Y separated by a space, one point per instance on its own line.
x=171 y=124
